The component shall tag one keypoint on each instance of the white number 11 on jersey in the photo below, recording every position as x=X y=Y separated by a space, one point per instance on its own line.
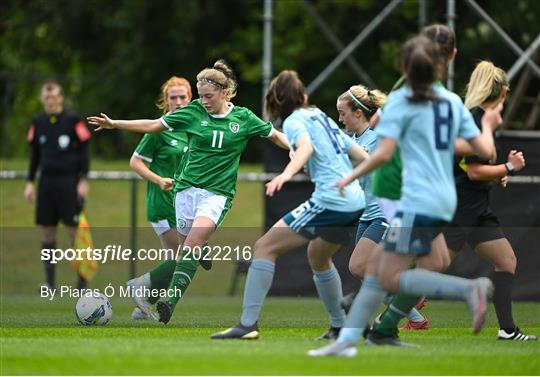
x=215 y=139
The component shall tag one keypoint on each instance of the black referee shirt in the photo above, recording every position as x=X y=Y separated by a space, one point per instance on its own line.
x=460 y=163
x=58 y=145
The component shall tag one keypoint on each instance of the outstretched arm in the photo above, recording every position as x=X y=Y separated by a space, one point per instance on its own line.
x=302 y=154
x=382 y=155
x=145 y=126
x=279 y=139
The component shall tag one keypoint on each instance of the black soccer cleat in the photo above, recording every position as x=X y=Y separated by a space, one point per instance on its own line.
x=331 y=334
x=376 y=339
x=515 y=335
x=239 y=332
x=347 y=301
x=165 y=311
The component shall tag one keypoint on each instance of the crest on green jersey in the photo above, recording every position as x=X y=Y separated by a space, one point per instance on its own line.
x=234 y=127
x=204 y=123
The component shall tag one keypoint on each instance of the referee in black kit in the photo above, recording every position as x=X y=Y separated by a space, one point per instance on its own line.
x=58 y=141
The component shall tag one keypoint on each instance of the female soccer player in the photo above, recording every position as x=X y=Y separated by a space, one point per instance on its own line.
x=387 y=188
x=474 y=222
x=318 y=222
x=218 y=132
x=356 y=107
x=163 y=152
x=424 y=119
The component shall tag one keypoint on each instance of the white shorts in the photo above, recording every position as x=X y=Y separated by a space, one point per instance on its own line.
x=161 y=226
x=389 y=207
x=194 y=202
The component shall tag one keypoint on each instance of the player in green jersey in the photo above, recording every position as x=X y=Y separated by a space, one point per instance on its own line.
x=163 y=152
x=218 y=132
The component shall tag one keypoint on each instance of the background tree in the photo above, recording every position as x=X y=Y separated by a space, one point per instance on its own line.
x=112 y=56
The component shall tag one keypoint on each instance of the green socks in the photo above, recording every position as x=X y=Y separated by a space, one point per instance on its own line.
x=398 y=309
x=160 y=277
x=181 y=278
x=170 y=274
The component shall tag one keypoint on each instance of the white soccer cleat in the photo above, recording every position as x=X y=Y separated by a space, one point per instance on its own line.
x=340 y=349
x=141 y=301
x=480 y=290
x=516 y=335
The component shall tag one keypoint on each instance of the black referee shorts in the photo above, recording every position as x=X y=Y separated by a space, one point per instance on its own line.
x=473 y=223
x=57 y=200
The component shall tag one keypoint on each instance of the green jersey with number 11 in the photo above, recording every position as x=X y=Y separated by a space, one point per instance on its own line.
x=215 y=144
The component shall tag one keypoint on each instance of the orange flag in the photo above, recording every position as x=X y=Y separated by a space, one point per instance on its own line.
x=83 y=239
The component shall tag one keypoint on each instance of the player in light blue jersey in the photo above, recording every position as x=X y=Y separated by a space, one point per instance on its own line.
x=424 y=120
x=322 y=221
x=356 y=107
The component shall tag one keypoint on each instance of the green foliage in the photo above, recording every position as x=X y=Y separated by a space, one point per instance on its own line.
x=112 y=56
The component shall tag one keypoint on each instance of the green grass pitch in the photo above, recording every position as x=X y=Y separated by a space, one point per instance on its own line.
x=41 y=337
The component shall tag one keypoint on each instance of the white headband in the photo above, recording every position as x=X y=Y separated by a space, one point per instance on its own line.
x=358 y=102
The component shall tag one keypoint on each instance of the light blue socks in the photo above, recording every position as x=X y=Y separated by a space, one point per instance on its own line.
x=328 y=284
x=258 y=283
x=365 y=304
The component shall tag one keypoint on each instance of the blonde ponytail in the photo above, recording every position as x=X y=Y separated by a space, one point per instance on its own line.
x=360 y=97
x=485 y=85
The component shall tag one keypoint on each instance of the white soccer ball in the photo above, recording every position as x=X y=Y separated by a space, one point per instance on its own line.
x=93 y=310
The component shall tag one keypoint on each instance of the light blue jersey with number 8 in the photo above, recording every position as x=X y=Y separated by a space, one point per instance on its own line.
x=330 y=160
x=426 y=134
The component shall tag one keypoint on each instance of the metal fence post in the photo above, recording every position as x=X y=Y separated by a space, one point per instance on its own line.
x=133 y=228
x=268 y=19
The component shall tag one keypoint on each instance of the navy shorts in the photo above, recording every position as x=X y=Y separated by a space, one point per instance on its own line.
x=372 y=229
x=411 y=233
x=311 y=221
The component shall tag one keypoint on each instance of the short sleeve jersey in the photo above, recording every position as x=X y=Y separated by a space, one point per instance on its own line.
x=426 y=134
x=369 y=141
x=329 y=162
x=164 y=152
x=215 y=144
